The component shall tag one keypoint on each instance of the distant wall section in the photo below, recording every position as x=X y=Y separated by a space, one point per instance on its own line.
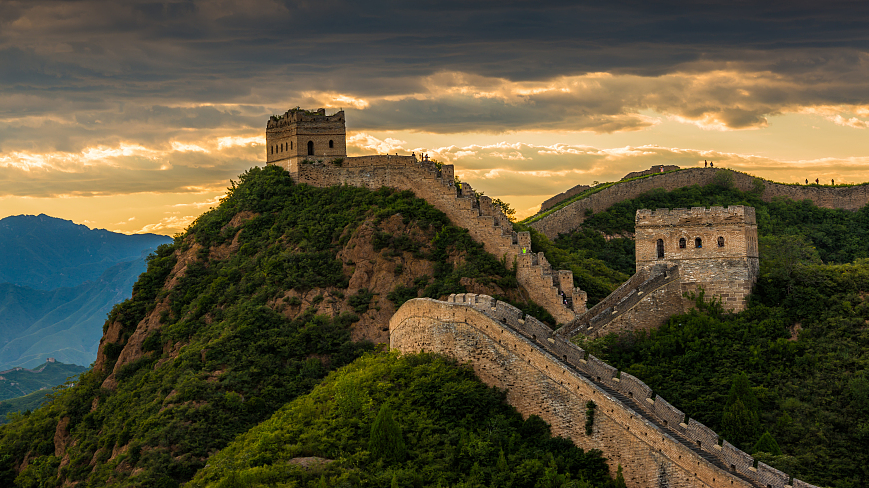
x=571 y=216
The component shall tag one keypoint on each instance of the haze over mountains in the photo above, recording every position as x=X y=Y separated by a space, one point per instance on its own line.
x=58 y=280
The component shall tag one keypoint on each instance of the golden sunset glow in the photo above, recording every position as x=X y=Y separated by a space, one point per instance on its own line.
x=140 y=128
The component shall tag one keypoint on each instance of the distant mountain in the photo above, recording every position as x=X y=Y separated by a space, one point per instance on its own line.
x=46 y=253
x=17 y=382
x=65 y=323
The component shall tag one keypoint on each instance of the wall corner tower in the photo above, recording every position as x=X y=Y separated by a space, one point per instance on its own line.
x=715 y=248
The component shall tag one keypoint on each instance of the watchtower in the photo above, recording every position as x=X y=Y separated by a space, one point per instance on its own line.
x=715 y=248
x=301 y=134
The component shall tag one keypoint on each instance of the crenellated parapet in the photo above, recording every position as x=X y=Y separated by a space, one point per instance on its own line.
x=546 y=375
x=434 y=182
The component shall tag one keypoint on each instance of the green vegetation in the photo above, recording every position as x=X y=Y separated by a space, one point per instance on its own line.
x=18 y=382
x=22 y=404
x=414 y=420
x=591 y=191
x=229 y=352
x=785 y=380
x=599 y=265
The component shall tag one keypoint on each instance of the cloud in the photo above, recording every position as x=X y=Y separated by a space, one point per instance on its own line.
x=167 y=224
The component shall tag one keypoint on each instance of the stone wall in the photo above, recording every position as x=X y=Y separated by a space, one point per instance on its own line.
x=548 y=376
x=571 y=216
x=653 y=170
x=726 y=263
x=551 y=202
x=486 y=223
x=644 y=302
x=288 y=135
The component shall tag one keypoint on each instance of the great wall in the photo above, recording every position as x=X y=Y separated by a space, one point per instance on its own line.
x=571 y=216
x=543 y=372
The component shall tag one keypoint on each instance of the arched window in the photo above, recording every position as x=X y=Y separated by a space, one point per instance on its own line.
x=720 y=241
x=698 y=242
x=310 y=148
x=682 y=243
x=331 y=144
x=291 y=144
x=660 y=248
x=272 y=149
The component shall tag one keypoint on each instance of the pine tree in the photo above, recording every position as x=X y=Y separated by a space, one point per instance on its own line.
x=767 y=444
x=740 y=421
x=386 y=440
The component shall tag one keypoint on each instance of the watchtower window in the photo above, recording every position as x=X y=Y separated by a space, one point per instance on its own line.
x=291 y=144
x=698 y=242
x=310 y=148
x=660 y=248
x=720 y=241
x=272 y=148
x=682 y=243
x=331 y=143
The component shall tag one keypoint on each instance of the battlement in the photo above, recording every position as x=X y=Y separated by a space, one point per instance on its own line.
x=734 y=214
x=299 y=115
x=302 y=135
x=546 y=375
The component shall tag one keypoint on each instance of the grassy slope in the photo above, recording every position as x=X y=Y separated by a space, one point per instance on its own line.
x=22 y=404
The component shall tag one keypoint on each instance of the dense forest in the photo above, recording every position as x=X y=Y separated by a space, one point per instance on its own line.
x=248 y=310
x=785 y=380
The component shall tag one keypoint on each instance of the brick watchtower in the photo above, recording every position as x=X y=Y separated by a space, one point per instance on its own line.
x=715 y=248
x=301 y=134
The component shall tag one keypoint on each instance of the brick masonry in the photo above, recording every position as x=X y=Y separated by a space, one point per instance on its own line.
x=548 y=376
x=486 y=223
x=571 y=216
x=715 y=248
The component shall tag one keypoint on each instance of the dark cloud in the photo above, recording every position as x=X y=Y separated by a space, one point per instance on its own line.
x=99 y=72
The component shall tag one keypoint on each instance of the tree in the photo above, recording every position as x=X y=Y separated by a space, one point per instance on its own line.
x=740 y=421
x=767 y=444
x=386 y=439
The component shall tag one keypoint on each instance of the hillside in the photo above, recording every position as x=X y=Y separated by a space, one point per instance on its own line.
x=63 y=323
x=802 y=345
x=18 y=382
x=217 y=370
x=22 y=404
x=248 y=310
x=441 y=427
x=45 y=253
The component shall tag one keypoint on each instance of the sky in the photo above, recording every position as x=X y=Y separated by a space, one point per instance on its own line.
x=134 y=116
